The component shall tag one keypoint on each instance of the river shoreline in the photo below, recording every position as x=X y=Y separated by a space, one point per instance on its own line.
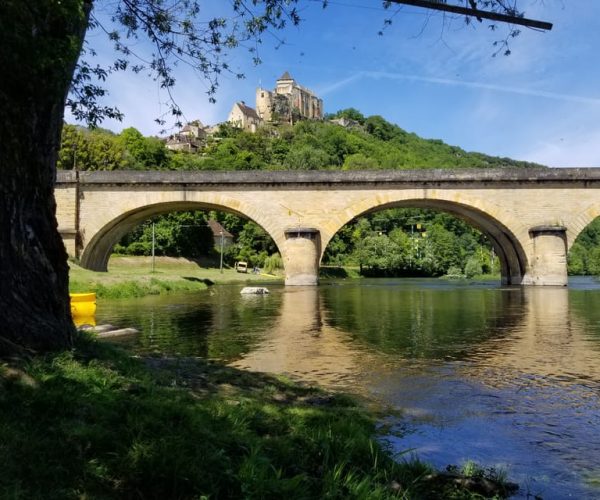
x=130 y=277
x=95 y=421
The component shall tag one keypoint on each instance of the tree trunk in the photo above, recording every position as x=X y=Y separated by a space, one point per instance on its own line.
x=40 y=41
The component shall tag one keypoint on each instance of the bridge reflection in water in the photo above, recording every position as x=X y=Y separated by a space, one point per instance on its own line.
x=512 y=381
x=329 y=334
x=505 y=376
x=301 y=345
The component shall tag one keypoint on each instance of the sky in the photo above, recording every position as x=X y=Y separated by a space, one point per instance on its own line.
x=429 y=73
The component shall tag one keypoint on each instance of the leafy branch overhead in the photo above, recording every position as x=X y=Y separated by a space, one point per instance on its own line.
x=157 y=36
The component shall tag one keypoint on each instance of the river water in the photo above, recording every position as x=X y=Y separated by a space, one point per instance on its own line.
x=508 y=377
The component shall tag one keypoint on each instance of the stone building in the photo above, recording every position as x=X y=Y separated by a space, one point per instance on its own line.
x=287 y=101
x=244 y=117
x=190 y=138
x=219 y=232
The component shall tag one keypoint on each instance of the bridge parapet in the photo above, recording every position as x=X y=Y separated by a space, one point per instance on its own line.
x=427 y=176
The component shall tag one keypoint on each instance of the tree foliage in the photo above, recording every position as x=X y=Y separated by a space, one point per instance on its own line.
x=179 y=234
x=411 y=242
x=307 y=145
x=584 y=256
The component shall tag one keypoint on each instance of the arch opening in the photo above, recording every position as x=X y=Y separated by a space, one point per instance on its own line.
x=99 y=248
x=583 y=258
x=504 y=245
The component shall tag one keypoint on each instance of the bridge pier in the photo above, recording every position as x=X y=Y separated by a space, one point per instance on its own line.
x=548 y=265
x=301 y=252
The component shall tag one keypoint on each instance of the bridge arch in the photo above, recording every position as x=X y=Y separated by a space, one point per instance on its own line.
x=505 y=233
x=98 y=248
x=581 y=220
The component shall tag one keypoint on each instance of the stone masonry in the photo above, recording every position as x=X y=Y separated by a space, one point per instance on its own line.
x=532 y=216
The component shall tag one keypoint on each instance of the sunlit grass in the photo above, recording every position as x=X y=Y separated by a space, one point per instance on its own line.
x=134 y=277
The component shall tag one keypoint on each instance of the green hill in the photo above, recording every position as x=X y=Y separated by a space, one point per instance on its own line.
x=363 y=143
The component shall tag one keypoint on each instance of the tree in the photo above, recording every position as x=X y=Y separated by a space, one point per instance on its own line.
x=473 y=267
x=379 y=253
x=41 y=42
x=577 y=260
x=306 y=158
x=148 y=152
x=97 y=149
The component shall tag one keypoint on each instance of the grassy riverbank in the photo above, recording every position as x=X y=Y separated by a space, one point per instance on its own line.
x=133 y=277
x=96 y=423
x=353 y=272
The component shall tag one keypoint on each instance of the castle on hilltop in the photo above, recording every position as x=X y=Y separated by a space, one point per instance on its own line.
x=287 y=103
x=287 y=99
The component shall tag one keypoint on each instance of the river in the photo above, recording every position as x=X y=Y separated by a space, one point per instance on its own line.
x=508 y=377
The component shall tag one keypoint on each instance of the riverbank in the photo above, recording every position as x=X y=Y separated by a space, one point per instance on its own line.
x=353 y=272
x=96 y=423
x=134 y=277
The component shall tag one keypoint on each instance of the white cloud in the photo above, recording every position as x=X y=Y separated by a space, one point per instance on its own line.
x=464 y=83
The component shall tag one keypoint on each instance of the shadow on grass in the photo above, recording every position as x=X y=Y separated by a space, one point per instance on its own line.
x=97 y=423
x=206 y=281
x=332 y=272
x=94 y=422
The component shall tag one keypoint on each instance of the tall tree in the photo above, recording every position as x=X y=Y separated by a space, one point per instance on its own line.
x=40 y=44
x=41 y=41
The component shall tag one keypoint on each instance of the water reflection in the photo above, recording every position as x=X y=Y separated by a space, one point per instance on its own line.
x=214 y=324
x=504 y=376
x=405 y=318
x=300 y=344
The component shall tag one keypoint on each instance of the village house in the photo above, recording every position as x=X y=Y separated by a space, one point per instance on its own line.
x=244 y=117
x=190 y=138
x=345 y=122
x=219 y=232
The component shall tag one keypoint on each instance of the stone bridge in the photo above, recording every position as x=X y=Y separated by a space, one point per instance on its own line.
x=531 y=216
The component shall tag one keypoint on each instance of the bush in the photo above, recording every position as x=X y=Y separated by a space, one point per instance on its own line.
x=273 y=263
x=473 y=267
x=454 y=271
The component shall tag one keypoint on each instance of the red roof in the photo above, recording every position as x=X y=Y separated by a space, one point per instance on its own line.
x=217 y=229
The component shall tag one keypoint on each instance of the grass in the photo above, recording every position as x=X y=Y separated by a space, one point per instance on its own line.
x=353 y=272
x=332 y=272
x=96 y=423
x=133 y=277
x=130 y=277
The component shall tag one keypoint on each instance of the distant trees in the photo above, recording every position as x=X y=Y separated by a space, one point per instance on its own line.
x=100 y=149
x=307 y=145
x=179 y=234
x=95 y=149
x=411 y=242
x=147 y=152
x=584 y=256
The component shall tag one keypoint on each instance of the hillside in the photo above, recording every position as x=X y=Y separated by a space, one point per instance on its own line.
x=365 y=143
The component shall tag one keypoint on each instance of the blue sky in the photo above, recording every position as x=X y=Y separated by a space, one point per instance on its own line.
x=428 y=73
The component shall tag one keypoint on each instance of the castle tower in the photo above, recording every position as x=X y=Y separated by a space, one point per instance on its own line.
x=264 y=103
